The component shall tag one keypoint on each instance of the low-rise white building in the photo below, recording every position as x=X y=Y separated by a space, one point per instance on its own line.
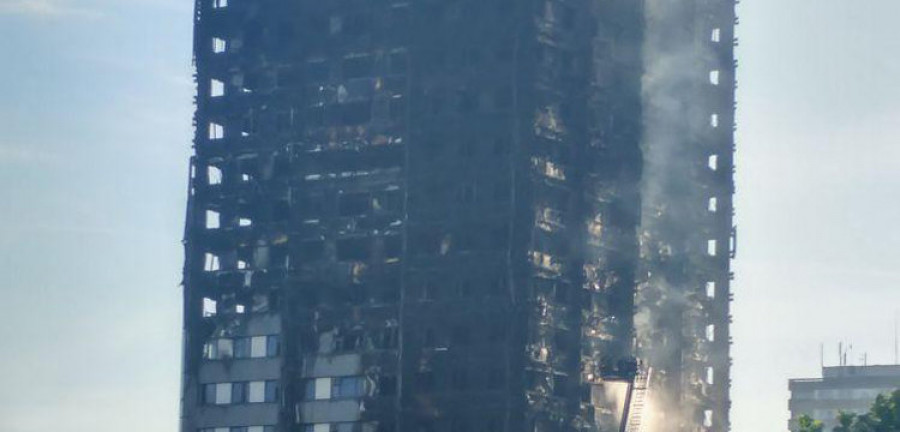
x=841 y=388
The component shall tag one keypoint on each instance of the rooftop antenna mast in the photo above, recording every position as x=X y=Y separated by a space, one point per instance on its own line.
x=822 y=355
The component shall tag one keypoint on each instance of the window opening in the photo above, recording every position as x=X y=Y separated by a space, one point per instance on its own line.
x=216 y=88
x=258 y=347
x=257 y=392
x=216 y=131
x=211 y=262
x=214 y=175
x=212 y=219
x=209 y=307
x=223 y=393
x=219 y=45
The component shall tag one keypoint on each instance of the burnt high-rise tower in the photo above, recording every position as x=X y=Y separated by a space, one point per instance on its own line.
x=418 y=215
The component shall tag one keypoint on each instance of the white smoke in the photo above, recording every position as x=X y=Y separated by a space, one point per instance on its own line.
x=672 y=70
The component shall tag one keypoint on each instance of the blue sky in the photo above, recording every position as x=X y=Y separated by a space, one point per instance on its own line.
x=95 y=127
x=818 y=174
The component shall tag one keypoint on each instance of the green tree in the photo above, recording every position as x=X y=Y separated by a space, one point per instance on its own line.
x=886 y=412
x=845 y=422
x=807 y=424
x=884 y=416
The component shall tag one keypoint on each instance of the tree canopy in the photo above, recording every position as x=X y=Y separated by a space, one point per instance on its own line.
x=884 y=416
x=807 y=424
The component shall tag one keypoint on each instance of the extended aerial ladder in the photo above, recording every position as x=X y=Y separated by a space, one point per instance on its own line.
x=636 y=379
x=635 y=401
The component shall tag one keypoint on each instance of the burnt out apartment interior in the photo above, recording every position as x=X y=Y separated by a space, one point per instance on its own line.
x=460 y=216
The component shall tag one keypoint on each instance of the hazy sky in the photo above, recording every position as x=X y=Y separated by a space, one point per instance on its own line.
x=95 y=127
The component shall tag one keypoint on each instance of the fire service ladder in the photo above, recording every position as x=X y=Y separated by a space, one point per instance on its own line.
x=636 y=401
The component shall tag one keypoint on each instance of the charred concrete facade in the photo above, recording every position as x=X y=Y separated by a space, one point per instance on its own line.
x=411 y=216
x=418 y=215
x=687 y=233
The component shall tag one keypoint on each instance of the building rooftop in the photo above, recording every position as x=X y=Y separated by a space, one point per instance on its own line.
x=861 y=371
x=839 y=372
